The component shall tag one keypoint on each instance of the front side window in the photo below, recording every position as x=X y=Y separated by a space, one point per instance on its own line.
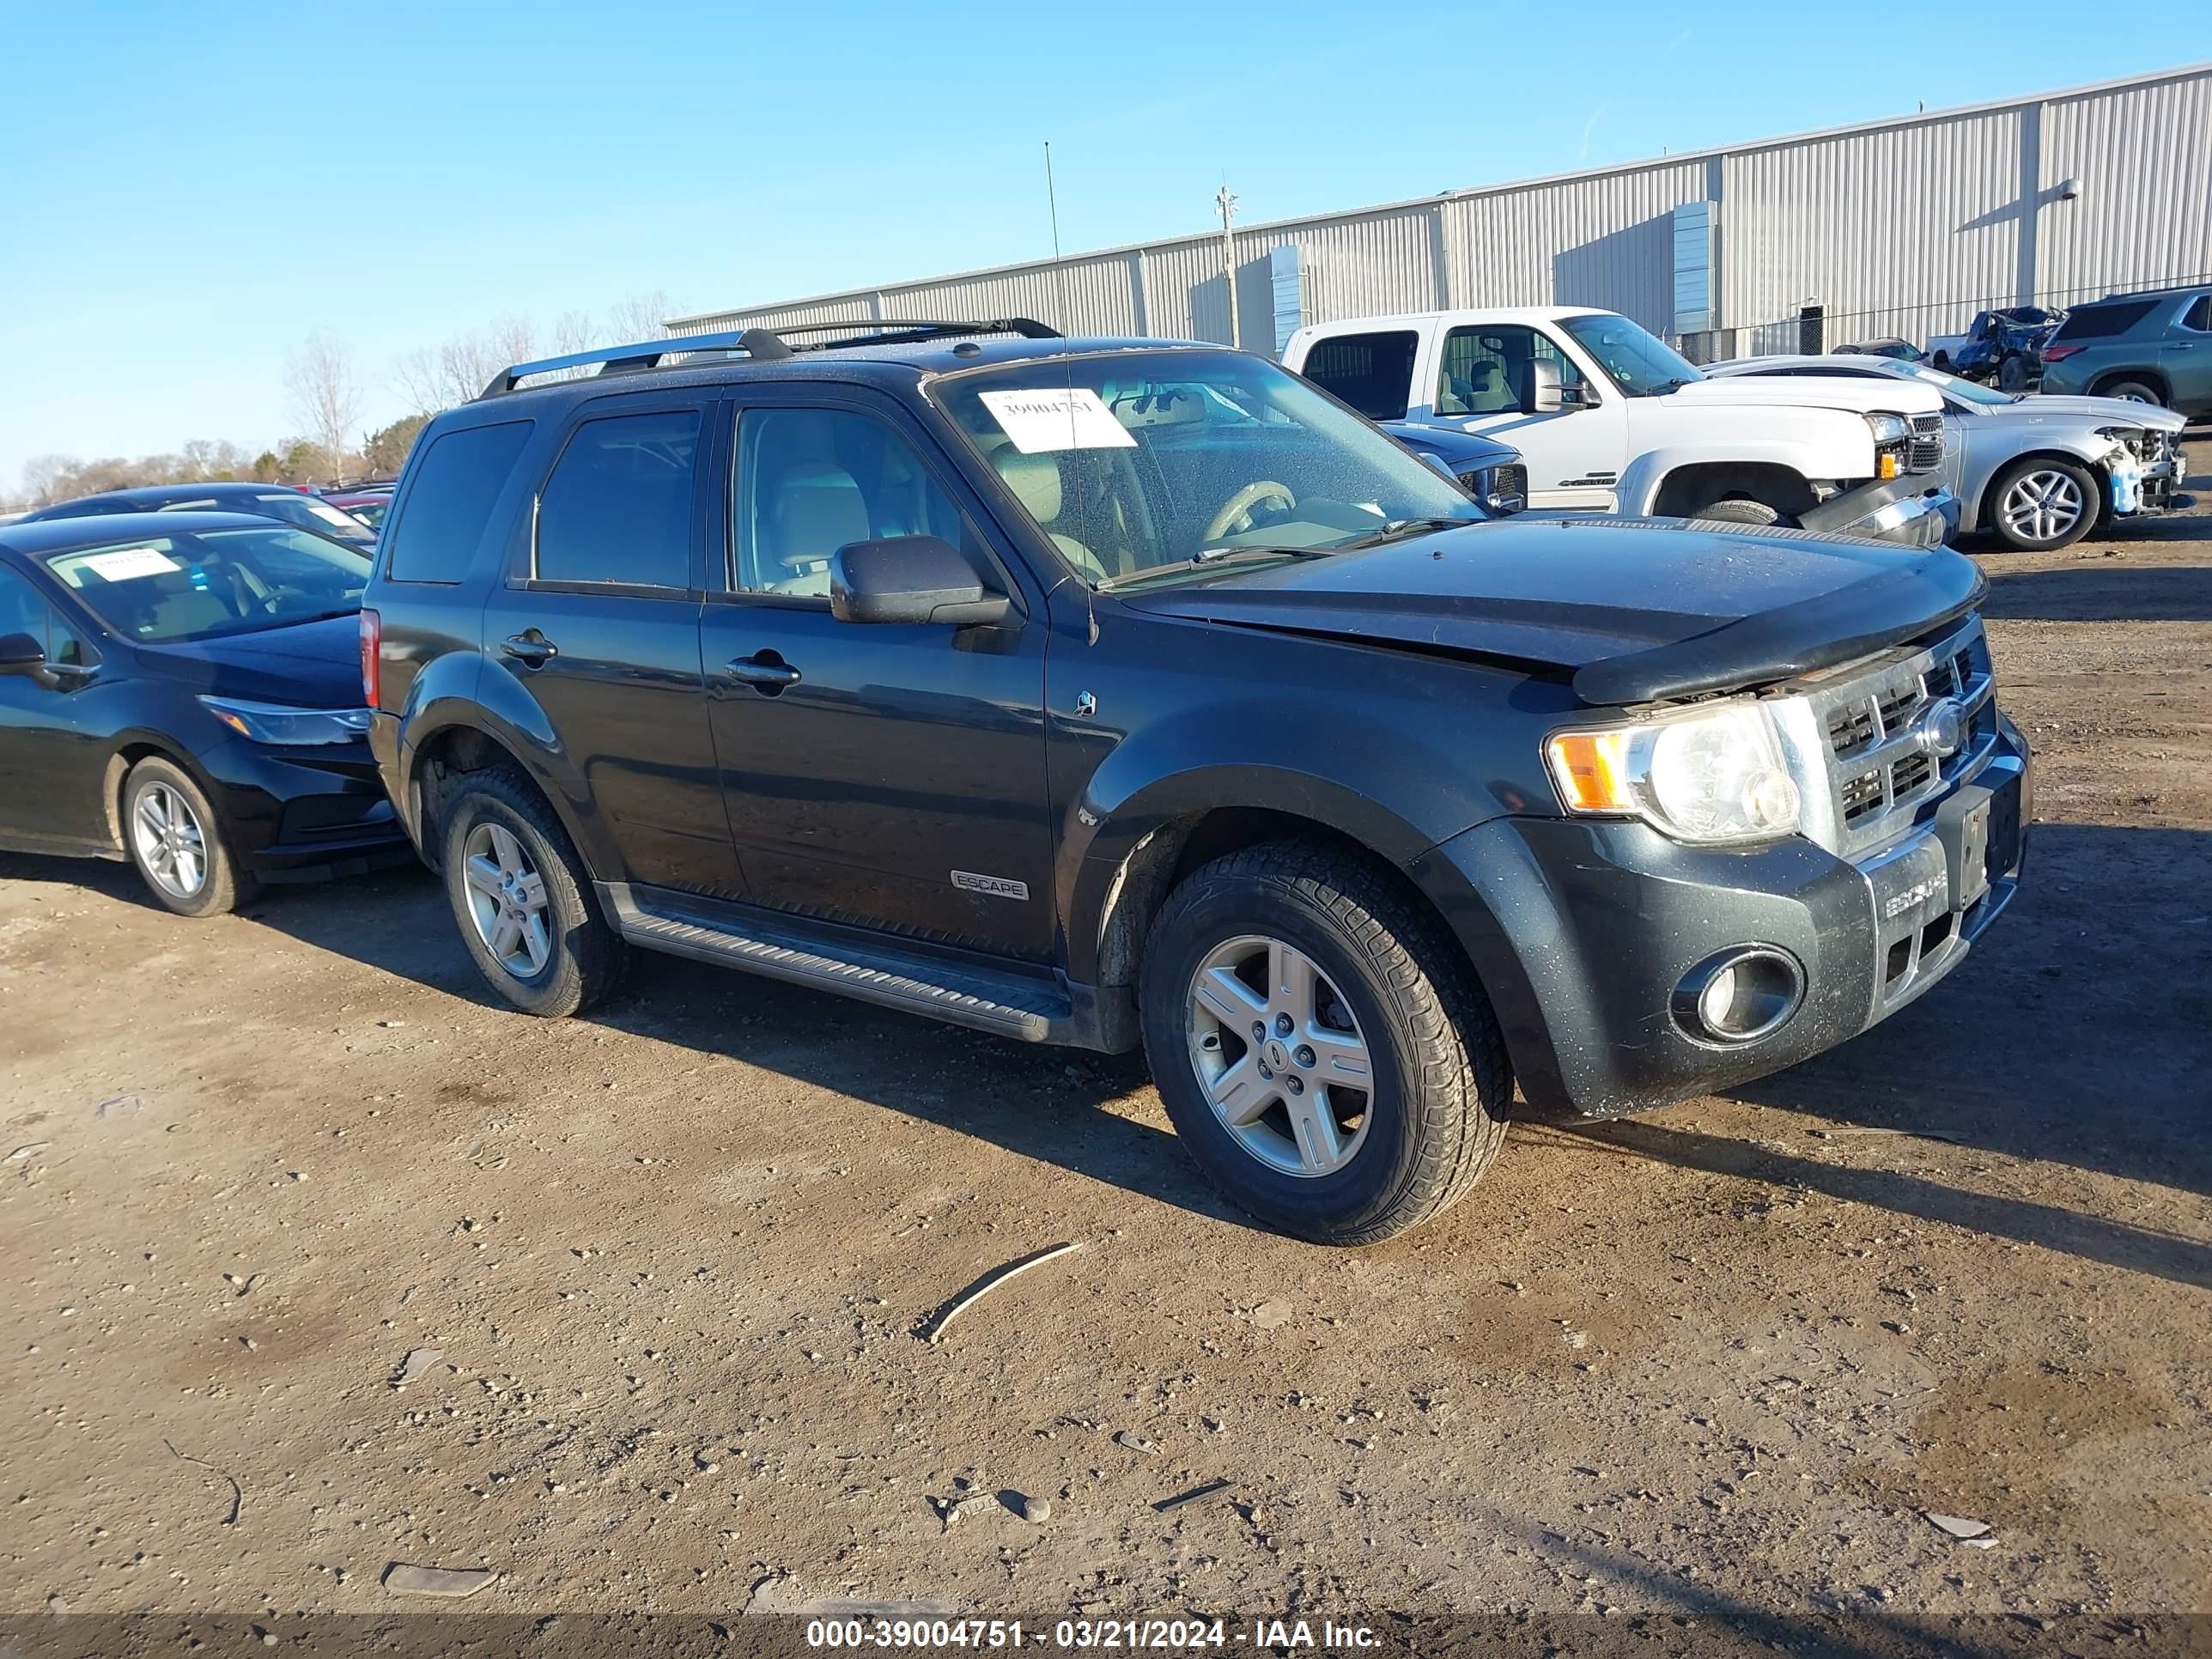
x=1640 y=363
x=1124 y=496
x=1487 y=369
x=164 y=590
x=451 y=491
x=617 y=509
x=809 y=481
x=23 y=610
x=1373 y=373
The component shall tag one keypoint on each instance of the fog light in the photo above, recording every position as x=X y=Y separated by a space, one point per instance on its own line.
x=1739 y=995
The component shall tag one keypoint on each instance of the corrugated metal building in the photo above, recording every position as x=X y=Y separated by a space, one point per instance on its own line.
x=1904 y=227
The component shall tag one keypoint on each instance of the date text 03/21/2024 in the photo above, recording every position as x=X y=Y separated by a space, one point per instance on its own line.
x=927 y=1635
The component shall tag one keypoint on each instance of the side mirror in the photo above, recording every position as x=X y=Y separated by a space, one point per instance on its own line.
x=21 y=654
x=1544 y=397
x=909 y=579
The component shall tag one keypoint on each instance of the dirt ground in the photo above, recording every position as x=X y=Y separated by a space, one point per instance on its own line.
x=1703 y=1370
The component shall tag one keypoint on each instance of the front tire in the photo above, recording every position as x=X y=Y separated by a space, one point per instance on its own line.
x=2012 y=373
x=2039 y=504
x=522 y=898
x=1738 y=510
x=1323 y=1051
x=177 y=842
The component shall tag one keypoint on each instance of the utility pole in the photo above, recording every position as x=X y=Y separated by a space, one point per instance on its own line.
x=1227 y=203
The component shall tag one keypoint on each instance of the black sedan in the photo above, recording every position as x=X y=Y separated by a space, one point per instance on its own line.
x=184 y=689
x=263 y=501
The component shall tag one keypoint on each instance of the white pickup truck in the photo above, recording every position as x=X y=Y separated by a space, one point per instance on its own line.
x=1609 y=416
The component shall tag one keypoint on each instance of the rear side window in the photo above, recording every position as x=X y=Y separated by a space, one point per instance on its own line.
x=454 y=485
x=2103 y=322
x=1373 y=373
x=617 y=508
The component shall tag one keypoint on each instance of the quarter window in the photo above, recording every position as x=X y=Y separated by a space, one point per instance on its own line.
x=2199 y=315
x=1373 y=373
x=617 y=509
x=451 y=491
x=1487 y=369
x=811 y=480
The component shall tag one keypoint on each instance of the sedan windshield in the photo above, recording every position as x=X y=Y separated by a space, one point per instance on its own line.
x=1641 y=363
x=312 y=514
x=1965 y=391
x=1137 y=463
x=162 y=590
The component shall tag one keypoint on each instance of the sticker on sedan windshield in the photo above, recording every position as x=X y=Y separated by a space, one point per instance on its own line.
x=1065 y=417
x=126 y=563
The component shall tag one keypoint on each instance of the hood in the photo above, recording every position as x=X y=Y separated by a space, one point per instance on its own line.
x=2108 y=411
x=1632 y=610
x=1457 y=450
x=1862 y=393
x=314 y=665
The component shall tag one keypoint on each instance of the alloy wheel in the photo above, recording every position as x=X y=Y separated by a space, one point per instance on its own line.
x=1279 y=1056
x=170 y=840
x=506 y=901
x=2041 y=505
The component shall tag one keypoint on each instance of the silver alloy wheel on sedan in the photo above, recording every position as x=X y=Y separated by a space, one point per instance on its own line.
x=2041 y=505
x=170 y=840
x=506 y=901
x=1279 y=1056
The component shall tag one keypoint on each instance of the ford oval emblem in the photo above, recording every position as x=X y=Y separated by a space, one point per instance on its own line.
x=1942 y=731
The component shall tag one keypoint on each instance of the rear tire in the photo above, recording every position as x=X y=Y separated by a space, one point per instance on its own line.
x=2136 y=392
x=178 y=843
x=522 y=898
x=1738 y=510
x=2038 y=504
x=1382 y=997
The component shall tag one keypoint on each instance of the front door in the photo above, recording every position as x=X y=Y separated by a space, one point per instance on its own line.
x=51 y=766
x=598 y=622
x=888 y=775
x=1486 y=383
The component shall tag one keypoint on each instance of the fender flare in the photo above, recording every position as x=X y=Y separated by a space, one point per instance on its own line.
x=1644 y=478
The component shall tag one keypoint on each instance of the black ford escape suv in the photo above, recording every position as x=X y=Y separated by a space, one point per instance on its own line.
x=1110 y=692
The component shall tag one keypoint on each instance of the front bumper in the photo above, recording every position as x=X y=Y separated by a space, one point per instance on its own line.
x=1914 y=510
x=1582 y=931
x=304 y=814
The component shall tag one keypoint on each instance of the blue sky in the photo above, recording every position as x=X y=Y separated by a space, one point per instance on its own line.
x=187 y=191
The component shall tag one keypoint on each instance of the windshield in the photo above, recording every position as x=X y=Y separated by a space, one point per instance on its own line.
x=1965 y=391
x=370 y=512
x=1641 y=363
x=312 y=514
x=1140 y=461
x=161 y=590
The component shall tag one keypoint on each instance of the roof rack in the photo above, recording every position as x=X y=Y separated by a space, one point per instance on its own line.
x=764 y=345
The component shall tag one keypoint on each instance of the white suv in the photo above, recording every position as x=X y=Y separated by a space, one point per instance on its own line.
x=1609 y=416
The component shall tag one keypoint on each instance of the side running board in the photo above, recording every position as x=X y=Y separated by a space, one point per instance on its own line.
x=781 y=949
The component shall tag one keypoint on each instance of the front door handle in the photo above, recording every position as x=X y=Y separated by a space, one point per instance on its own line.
x=531 y=649
x=764 y=670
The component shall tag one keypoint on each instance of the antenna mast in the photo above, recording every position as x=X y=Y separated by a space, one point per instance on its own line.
x=1226 y=203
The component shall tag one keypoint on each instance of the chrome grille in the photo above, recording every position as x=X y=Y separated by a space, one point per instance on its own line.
x=1925 y=452
x=1857 y=746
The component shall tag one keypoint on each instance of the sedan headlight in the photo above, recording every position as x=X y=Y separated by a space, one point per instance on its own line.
x=282 y=723
x=1890 y=428
x=1714 y=777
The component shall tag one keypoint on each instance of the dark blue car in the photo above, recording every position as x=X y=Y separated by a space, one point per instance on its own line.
x=184 y=689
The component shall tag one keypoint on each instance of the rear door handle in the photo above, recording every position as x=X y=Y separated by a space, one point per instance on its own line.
x=531 y=649
x=764 y=669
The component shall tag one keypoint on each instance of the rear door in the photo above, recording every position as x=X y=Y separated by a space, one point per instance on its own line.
x=2186 y=355
x=887 y=775
x=598 y=620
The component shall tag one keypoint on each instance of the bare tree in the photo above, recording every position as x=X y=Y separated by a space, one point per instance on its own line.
x=326 y=399
x=639 y=317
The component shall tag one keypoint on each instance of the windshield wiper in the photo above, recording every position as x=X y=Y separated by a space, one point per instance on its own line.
x=1399 y=529
x=1211 y=558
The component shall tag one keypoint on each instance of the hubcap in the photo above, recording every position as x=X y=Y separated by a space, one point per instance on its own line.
x=2041 y=506
x=506 y=901
x=171 y=844
x=1279 y=1056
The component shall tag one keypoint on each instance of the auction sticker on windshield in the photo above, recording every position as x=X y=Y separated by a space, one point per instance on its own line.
x=1055 y=418
x=125 y=563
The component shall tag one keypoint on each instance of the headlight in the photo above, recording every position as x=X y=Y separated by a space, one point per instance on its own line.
x=1715 y=776
x=281 y=723
x=1890 y=428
